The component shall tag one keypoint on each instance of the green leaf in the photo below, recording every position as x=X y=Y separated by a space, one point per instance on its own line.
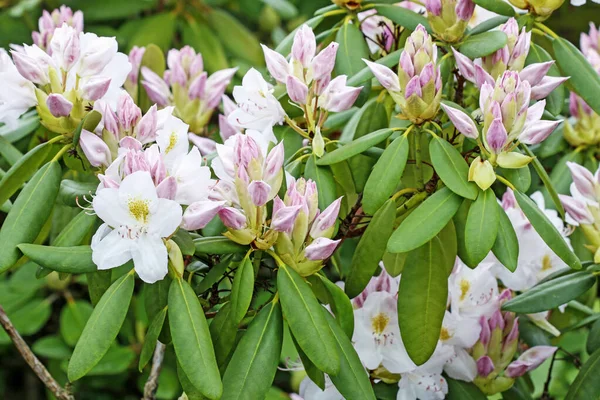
x=352 y=381
x=72 y=260
x=460 y=223
x=402 y=16
x=324 y=180
x=352 y=50
x=365 y=74
x=451 y=168
x=587 y=385
x=460 y=390
x=242 y=289
x=506 y=246
x=153 y=59
x=26 y=124
x=306 y=318
x=584 y=79
x=285 y=46
x=482 y=227
x=284 y=8
x=555 y=100
x=235 y=37
x=110 y=9
x=394 y=263
x=191 y=339
x=76 y=230
x=158 y=29
x=71 y=192
x=551 y=294
x=355 y=147
x=185 y=242
x=519 y=177
x=151 y=338
x=254 y=363
x=422 y=297
x=425 y=221
x=51 y=347
x=29 y=213
x=483 y=44
x=313 y=373
x=593 y=340
x=340 y=305
x=385 y=175
x=199 y=35
x=73 y=318
x=9 y=152
x=102 y=327
x=116 y=361
x=223 y=331
x=488 y=24
x=547 y=231
x=370 y=249
x=98 y=284
x=22 y=170
x=217 y=245
x=497 y=6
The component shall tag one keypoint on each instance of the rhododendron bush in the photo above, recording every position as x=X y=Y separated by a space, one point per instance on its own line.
x=379 y=201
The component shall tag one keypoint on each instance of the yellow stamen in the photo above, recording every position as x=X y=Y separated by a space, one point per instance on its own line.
x=546 y=263
x=172 y=142
x=139 y=209
x=444 y=334
x=379 y=323
x=464 y=288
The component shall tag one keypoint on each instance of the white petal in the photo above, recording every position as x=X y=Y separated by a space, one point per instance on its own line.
x=138 y=185
x=150 y=258
x=111 y=251
x=166 y=219
x=109 y=208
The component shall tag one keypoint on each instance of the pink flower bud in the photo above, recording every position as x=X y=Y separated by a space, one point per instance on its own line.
x=434 y=7
x=274 y=162
x=496 y=135
x=337 y=96
x=485 y=366
x=427 y=74
x=385 y=76
x=320 y=249
x=276 y=64
x=226 y=129
x=130 y=143
x=538 y=131
x=284 y=218
x=482 y=76
x=485 y=334
x=413 y=87
x=58 y=105
x=462 y=122
x=197 y=65
x=216 y=85
x=145 y=130
x=577 y=209
x=326 y=220
x=583 y=180
x=128 y=113
x=504 y=296
x=196 y=90
x=546 y=86
x=156 y=88
x=513 y=334
x=232 y=218
x=259 y=192
x=167 y=189
x=176 y=70
x=406 y=64
x=534 y=73
x=324 y=62
x=96 y=87
x=304 y=46
x=205 y=145
x=200 y=213
x=30 y=68
x=135 y=58
x=296 y=89
x=95 y=150
x=496 y=321
x=109 y=119
x=65 y=46
x=465 y=65
x=465 y=9
x=529 y=360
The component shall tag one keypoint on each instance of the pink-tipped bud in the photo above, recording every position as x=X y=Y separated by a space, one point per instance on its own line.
x=496 y=321
x=196 y=90
x=296 y=89
x=529 y=360
x=465 y=65
x=385 y=76
x=485 y=334
x=259 y=192
x=546 y=86
x=200 y=213
x=205 y=145
x=216 y=85
x=135 y=58
x=197 y=65
x=583 y=180
x=496 y=135
x=226 y=129
x=577 y=209
x=30 y=68
x=109 y=119
x=58 y=105
x=276 y=64
x=434 y=7
x=538 y=131
x=128 y=114
x=462 y=122
x=465 y=9
x=339 y=97
x=65 y=46
x=167 y=189
x=304 y=46
x=413 y=87
x=95 y=150
x=156 y=88
x=145 y=130
x=96 y=87
x=232 y=218
x=320 y=249
x=324 y=62
x=504 y=296
x=513 y=334
x=485 y=366
x=534 y=73
x=284 y=218
x=324 y=223
x=274 y=162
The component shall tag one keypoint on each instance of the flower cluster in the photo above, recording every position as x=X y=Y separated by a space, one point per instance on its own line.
x=449 y=19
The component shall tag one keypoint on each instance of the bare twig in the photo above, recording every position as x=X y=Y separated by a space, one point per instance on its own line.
x=152 y=382
x=33 y=362
x=546 y=393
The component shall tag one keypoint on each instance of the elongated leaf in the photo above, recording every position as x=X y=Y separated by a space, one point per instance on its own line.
x=551 y=294
x=584 y=79
x=235 y=37
x=191 y=339
x=519 y=177
x=506 y=246
x=199 y=35
x=451 y=168
x=157 y=29
x=488 y=24
x=394 y=263
x=425 y=221
x=355 y=147
x=365 y=74
x=482 y=227
x=9 y=152
x=217 y=245
x=73 y=319
x=497 y=6
x=593 y=340
x=22 y=170
x=102 y=327
x=223 y=332
x=151 y=338
x=352 y=381
x=483 y=44
x=254 y=362
x=285 y=46
x=370 y=249
x=386 y=175
x=460 y=390
x=98 y=284
x=29 y=213
x=539 y=168
x=353 y=48
x=72 y=191
x=74 y=232
x=241 y=291
x=340 y=305
x=26 y=124
x=73 y=260
x=547 y=231
x=422 y=297
x=324 y=180
x=313 y=373
x=587 y=385
x=402 y=16
x=306 y=319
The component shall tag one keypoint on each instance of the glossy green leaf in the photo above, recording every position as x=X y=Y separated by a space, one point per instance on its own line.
x=402 y=16
x=217 y=245
x=242 y=289
x=547 y=230
x=482 y=227
x=519 y=177
x=584 y=79
x=199 y=35
x=253 y=365
x=98 y=284
x=593 y=340
x=425 y=221
x=551 y=294
x=313 y=373
x=75 y=231
x=185 y=242
x=191 y=339
x=157 y=29
x=72 y=260
x=235 y=37
x=451 y=168
x=29 y=213
x=506 y=246
x=355 y=147
x=324 y=180
x=370 y=249
x=488 y=24
x=461 y=390
x=73 y=318
x=151 y=338
x=51 y=347
x=9 y=152
x=116 y=361
x=223 y=331
x=497 y=6
x=394 y=263
x=28 y=319
x=483 y=44
x=385 y=175
x=353 y=48
x=340 y=305
x=422 y=298
x=306 y=318
x=26 y=124
x=71 y=192
x=587 y=385
x=102 y=327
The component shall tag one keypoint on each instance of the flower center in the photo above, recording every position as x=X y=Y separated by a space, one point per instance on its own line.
x=546 y=263
x=444 y=334
x=172 y=142
x=379 y=322
x=139 y=209
x=464 y=289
